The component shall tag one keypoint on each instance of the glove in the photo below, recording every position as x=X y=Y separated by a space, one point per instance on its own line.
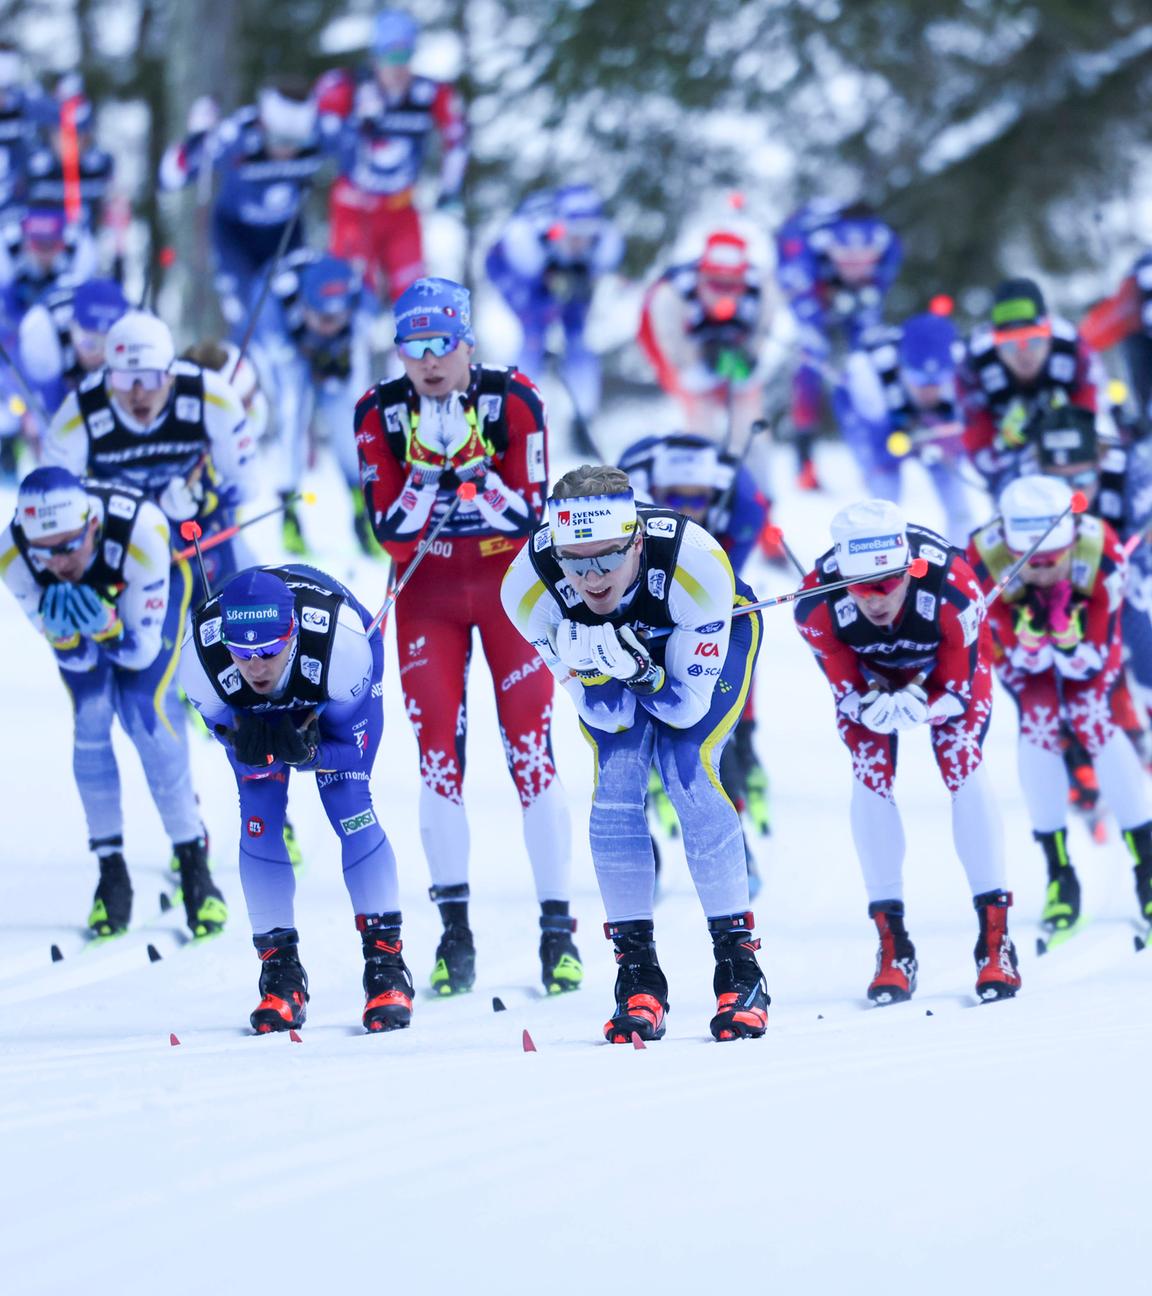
x=56 y=611
x=203 y=116
x=296 y=747
x=1081 y=663
x=444 y=426
x=251 y=740
x=570 y=642
x=733 y=365
x=471 y=469
x=92 y=615
x=1065 y=627
x=181 y=500
x=613 y=655
x=1029 y=638
x=1013 y=430
x=886 y=713
x=425 y=475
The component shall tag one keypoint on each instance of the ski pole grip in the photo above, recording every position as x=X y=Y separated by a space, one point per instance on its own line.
x=191 y=531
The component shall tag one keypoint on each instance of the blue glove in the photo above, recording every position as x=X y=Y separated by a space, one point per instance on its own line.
x=89 y=611
x=56 y=611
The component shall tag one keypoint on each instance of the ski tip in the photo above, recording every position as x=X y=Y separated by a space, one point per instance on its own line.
x=1041 y=947
x=819 y=1016
x=928 y=1012
x=497 y=1004
x=529 y=1046
x=154 y=955
x=294 y=1036
x=57 y=957
x=165 y=902
x=1138 y=942
x=637 y=1042
x=173 y=1040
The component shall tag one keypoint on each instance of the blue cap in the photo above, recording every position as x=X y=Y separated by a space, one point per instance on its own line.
x=926 y=346
x=51 y=501
x=257 y=608
x=329 y=285
x=435 y=306
x=43 y=225
x=579 y=202
x=394 y=29
x=98 y=304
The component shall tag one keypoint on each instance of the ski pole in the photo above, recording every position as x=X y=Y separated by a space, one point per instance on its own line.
x=917 y=567
x=254 y=314
x=1077 y=504
x=307 y=497
x=582 y=432
x=191 y=530
x=776 y=536
x=465 y=491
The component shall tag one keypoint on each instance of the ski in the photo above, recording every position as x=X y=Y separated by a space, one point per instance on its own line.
x=1143 y=937
x=1053 y=937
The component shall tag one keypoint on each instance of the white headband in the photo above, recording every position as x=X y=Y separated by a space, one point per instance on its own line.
x=592 y=517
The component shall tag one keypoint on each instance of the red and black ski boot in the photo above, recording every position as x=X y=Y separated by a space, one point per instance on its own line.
x=283 y=982
x=641 y=988
x=997 y=968
x=387 y=982
x=741 y=993
x=896 y=966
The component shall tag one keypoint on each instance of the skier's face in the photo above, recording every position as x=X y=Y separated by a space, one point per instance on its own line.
x=89 y=345
x=262 y=674
x=437 y=375
x=136 y=395
x=71 y=564
x=394 y=72
x=1047 y=569
x=1024 y=351
x=881 y=600
x=602 y=590
x=325 y=323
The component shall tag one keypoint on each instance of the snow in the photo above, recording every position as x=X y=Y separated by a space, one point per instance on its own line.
x=936 y=1146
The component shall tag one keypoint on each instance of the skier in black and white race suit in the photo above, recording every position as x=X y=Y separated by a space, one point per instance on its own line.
x=631 y=609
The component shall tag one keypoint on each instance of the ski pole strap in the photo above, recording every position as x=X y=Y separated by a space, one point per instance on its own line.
x=917 y=567
x=1077 y=504
x=465 y=491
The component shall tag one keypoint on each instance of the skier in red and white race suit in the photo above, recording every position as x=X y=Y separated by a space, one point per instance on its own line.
x=1058 y=652
x=901 y=651
x=447 y=422
x=383 y=121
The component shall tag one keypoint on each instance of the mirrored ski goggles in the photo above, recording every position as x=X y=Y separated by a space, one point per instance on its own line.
x=1024 y=341
x=599 y=563
x=885 y=585
x=125 y=379
x=418 y=348
x=61 y=548
x=243 y=652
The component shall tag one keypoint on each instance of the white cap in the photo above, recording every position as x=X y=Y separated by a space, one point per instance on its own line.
x=1029 y=506
x=871 y=538
x=677 y=464
x=51 y=501
x=287 y=119
x=139 y=340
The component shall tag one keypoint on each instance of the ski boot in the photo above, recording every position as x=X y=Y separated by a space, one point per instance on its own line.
x=560 y=964
x=1062 y=900
x=204 y=905
x=997 y=975
x=896 y=966
x=1139 y=843
x=112 y=902
x=291 y=532
x=292 y=846
x=641 y=987
x=455 y=970
x=387 y=982
x=741 y=993
x=283 y=982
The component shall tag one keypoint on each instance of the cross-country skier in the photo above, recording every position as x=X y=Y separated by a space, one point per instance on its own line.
x=69 y=170
x=62 y=338
x=447 y=422
x=1058 y=654
x=89 y=565
x=631 y=609
x=279 y=666
x=900 y=651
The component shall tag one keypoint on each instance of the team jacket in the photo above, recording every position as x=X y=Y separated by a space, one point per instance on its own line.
x=941 y=632
x=130 y=569
x=510 y=424
x=45 y=186
x=681 y=605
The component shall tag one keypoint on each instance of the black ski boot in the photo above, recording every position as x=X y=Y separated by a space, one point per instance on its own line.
x=895 y=978
x=997 y=968
x=387 y=982
x=455 y=970
x=204 y=905
x=1062 y=899
x=283 y=982
x=560 y=964
x=741 y=993
x=641 y=987
x=1139 y=843
x=112 y=902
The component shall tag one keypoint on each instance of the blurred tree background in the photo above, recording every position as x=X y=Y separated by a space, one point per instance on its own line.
x=998 y=136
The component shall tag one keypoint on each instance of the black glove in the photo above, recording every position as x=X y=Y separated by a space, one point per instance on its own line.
x=251 y=740
x=295 y=746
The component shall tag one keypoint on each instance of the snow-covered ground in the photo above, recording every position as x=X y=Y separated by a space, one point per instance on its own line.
x=937 y=1146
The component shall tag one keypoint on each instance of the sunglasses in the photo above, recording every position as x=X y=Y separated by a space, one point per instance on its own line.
x=64 y=546
x=243 y=653
x=418 y=348
x=601 y=563
x=125 y=379
x=885 y=585
x=1024 y=340
x=1047 y=560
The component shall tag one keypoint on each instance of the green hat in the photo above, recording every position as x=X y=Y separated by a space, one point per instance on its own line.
x=1018 y=302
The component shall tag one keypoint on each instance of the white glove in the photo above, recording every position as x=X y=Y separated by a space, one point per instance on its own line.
x=614 y=655
x=443 y=423
x=501 y=507
x=1080 y=664
x=203 y=116
x=180 y=501
x=1031 y=663
x=886 y=713
x=570 y=639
